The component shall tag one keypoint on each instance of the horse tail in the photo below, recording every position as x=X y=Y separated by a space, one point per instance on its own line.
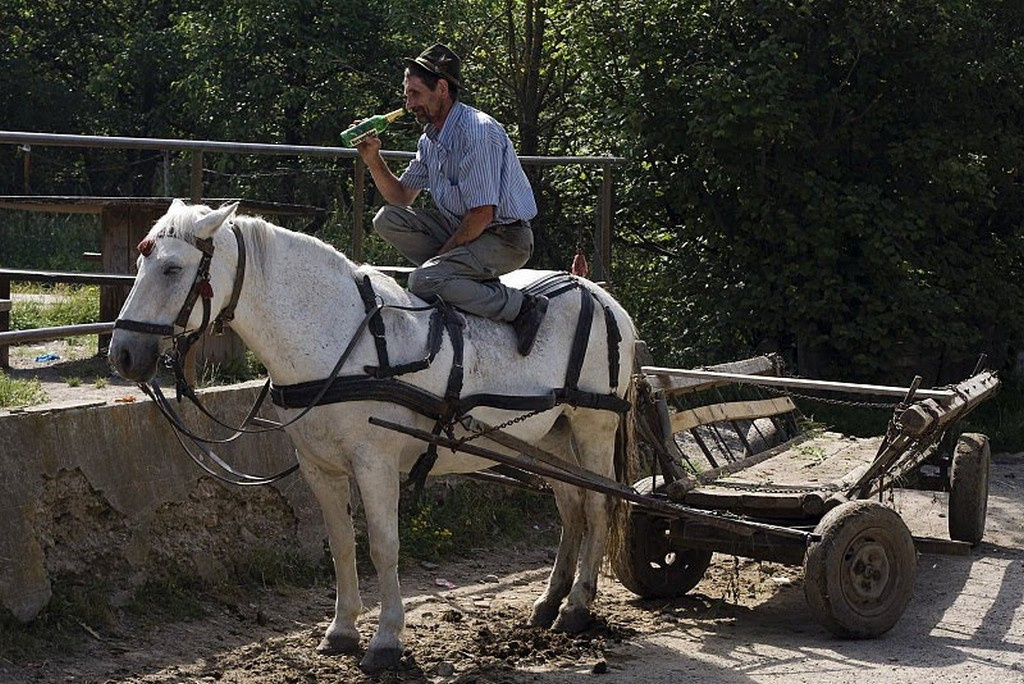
x=627 y=456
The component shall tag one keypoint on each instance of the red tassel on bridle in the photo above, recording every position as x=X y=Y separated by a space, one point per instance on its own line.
x=579 y=264
x=146 y=246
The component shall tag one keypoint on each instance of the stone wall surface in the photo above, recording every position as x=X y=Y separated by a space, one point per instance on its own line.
x=106 y=490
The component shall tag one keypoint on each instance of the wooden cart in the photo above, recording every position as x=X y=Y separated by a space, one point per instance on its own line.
x=732 y=466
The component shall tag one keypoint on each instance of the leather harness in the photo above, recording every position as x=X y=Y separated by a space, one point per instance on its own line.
x=380 y=382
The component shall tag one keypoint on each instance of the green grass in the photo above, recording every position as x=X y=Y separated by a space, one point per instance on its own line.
x=75 y=304
x=233 y=371
x=455 y=517
x=15 y=393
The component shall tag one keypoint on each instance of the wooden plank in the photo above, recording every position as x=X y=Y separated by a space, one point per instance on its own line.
x=800 y=383
x=82 y=204
x=790 y=504
x=57 y=333
x=793 y=480
x=733 y=410
x=26 y=275
x=666 y=381
x=941 y=547
x=822 y=461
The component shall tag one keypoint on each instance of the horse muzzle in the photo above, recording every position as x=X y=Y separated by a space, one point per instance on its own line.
x=134 y=356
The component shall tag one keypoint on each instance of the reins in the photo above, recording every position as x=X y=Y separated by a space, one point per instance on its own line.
x=183 y=341
x=378 y=384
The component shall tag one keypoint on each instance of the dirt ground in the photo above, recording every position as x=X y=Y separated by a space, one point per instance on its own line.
x=467 y=621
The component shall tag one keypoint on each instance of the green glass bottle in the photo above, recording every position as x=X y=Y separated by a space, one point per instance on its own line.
x=375 y=124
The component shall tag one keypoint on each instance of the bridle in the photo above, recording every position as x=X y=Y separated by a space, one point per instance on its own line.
x=200 y=290
x=183 y=341
x=174 y=359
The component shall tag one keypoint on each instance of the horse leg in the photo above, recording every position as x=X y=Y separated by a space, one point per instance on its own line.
x=334 y=495
x=569 y=502
x=596 y=447
x=379 y=488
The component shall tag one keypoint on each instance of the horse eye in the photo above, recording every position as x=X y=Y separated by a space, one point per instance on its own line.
x=172 y=270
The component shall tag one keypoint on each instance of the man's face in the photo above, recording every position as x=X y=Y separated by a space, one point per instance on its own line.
x=429 y=106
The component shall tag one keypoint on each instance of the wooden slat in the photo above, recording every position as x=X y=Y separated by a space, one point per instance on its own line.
x=76 y=204
x=57 y=333
x=941 y=547
x=663 y=380
x=19 y=275
x=714 y=375
x=793 y=480
x=928 y=414
x=734 y=410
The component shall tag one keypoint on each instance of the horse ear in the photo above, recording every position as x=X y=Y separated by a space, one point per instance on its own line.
x=206 y=226
x=176 y=203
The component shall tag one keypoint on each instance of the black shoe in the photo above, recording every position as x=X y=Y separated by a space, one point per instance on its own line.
x=527 y=322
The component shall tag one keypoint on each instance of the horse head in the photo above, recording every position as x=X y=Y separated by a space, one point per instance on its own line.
x=177 y=286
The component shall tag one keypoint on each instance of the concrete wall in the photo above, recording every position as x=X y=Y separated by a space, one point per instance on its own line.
x=105 y=491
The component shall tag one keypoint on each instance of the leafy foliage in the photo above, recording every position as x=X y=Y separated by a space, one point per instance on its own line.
x=839 y=180
x=72 y=305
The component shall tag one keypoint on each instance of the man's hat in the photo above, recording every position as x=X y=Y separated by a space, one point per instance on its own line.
x=439 y=60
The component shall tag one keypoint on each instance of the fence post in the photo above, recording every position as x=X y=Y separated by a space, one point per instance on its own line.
x=197 y=176
x=603 y=237
x=5 y=320
x=358 y=209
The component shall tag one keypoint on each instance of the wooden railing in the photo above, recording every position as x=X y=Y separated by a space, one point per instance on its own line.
x=127 y=219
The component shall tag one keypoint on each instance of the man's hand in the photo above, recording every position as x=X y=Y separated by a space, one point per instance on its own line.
x=369 y=147
x=474 y=223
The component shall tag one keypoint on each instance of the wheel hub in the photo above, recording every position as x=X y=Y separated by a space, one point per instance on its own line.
x=867 y=571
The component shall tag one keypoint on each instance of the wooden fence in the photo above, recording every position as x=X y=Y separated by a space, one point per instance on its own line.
x=126 y=219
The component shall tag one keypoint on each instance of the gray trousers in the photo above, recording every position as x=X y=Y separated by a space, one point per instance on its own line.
x=465 y=277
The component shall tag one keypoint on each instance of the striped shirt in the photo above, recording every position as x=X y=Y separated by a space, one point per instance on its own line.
x=470 y=163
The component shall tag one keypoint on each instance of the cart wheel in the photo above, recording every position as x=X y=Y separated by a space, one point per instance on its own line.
x=968 y=488
x=859 y=576
x=650 y=565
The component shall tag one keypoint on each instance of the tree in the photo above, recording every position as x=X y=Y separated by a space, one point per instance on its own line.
x=839 y=180
x=521 y=70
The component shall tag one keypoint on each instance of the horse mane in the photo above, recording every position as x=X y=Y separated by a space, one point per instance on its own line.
x=263 y=239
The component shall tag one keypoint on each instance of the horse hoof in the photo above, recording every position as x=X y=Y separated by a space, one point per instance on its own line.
x=380 y=660
x=573 y=621
x=543 y=616
x=338 y=644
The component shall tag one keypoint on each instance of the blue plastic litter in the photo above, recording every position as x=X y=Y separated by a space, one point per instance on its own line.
x=43 y=358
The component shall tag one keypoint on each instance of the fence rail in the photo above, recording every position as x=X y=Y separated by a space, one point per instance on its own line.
x=113 y=285
x=602 y=237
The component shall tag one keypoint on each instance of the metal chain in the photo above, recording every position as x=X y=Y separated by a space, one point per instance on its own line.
x=824 y=400
x=502 y=426
x=780 y=367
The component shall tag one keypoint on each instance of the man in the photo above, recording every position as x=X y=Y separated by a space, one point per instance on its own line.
x=479 y=226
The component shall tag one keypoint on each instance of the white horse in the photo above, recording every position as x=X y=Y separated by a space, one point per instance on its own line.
x=298 y=308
